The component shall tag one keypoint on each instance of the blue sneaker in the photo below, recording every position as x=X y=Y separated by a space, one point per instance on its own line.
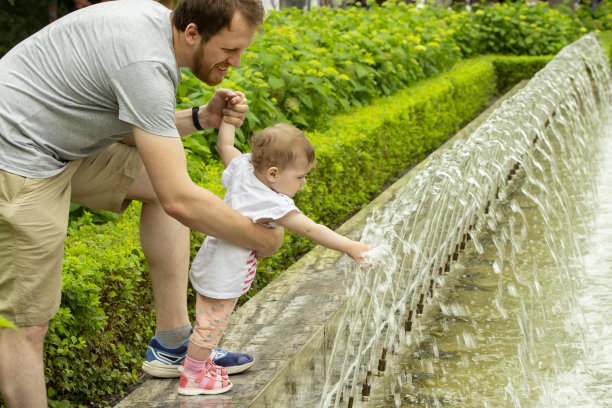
x=165 y=362
x=233 y=363
x=162 y=361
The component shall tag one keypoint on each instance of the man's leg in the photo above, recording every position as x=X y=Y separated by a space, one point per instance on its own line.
x=22 y=380
x=109 y=181
x=33 y=219
x=165 y=243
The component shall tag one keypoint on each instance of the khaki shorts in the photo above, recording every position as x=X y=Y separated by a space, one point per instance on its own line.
x=33 y=221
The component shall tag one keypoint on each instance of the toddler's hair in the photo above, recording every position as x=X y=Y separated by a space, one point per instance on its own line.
x=280 y=145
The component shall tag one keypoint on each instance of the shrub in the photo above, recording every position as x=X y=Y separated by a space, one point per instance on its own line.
x=343 y=60
x=95 y=342
x=514 y=29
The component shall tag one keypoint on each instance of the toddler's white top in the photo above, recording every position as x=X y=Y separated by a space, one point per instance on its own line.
x=222 y=270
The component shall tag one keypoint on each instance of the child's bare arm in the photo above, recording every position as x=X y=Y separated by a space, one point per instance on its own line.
x=225 y=143
x=320 y=234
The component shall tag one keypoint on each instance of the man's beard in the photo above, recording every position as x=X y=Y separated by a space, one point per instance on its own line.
x=199 y=71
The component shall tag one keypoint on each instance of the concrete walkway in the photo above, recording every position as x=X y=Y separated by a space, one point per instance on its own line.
x=288 y=327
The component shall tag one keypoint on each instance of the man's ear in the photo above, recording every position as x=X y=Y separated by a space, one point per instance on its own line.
x=272 y=173
x=192 y=36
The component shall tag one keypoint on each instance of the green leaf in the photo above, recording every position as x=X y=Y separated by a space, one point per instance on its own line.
x=275 y=82
x=6 y=323
x=305 y=99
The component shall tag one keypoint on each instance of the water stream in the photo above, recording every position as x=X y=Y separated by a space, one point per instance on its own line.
x=492 y=282
x=533 y=333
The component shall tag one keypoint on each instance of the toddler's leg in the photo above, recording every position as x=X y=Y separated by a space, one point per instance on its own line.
x=200 y=375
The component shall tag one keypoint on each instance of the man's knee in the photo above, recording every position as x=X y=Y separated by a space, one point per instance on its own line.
x=34 y=336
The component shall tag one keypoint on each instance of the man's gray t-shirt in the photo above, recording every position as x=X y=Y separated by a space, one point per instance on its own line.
x=78 y=85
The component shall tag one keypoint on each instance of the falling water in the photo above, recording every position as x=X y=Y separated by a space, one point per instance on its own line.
x=477 y=218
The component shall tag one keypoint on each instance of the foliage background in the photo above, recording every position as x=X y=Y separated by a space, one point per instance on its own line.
x=346 y=80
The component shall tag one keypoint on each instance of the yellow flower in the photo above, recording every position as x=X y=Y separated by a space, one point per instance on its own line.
x=479 y=12
x=311 y=72
x=420 y=48
x=315 y=63
x=330 y=71
x=297 y=71
x=292 y=104
x=344 y=77
x=583 y=29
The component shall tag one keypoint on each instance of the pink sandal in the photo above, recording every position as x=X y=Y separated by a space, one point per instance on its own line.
x=210 y=366
x=206 y=382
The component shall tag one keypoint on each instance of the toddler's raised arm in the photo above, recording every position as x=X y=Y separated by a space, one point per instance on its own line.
x=225 y=143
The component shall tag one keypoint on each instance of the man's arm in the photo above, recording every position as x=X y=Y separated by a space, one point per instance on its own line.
x=198 y=208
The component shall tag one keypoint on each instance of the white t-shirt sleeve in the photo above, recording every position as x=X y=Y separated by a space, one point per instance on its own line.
x=274 y=207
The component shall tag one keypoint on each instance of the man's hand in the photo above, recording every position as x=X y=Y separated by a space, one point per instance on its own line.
x=225 y=104
x=273 y=243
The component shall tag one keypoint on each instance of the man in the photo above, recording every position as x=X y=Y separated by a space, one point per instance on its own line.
x=71 y=94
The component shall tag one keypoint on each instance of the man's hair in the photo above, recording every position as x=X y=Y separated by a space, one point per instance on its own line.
x=212 y=15
x=279 y=146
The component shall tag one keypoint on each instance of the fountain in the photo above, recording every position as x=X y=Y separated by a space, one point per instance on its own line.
x=329 y=335
x=549 y=128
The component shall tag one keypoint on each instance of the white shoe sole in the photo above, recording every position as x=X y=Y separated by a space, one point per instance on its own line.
x=191 y=391
x=160 y=370
x=238 y=369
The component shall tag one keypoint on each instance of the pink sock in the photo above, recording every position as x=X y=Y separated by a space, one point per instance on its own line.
x=193 y=367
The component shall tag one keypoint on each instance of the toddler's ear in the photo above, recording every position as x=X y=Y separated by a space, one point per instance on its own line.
x=272 y=173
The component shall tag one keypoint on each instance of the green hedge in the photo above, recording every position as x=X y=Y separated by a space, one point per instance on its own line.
x=97 y=342
x=606 y=41
x=511 y=70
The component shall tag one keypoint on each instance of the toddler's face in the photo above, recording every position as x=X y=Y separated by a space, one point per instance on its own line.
x=291 y=179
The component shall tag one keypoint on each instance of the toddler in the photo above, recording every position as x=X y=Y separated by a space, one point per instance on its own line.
x=260 y=185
